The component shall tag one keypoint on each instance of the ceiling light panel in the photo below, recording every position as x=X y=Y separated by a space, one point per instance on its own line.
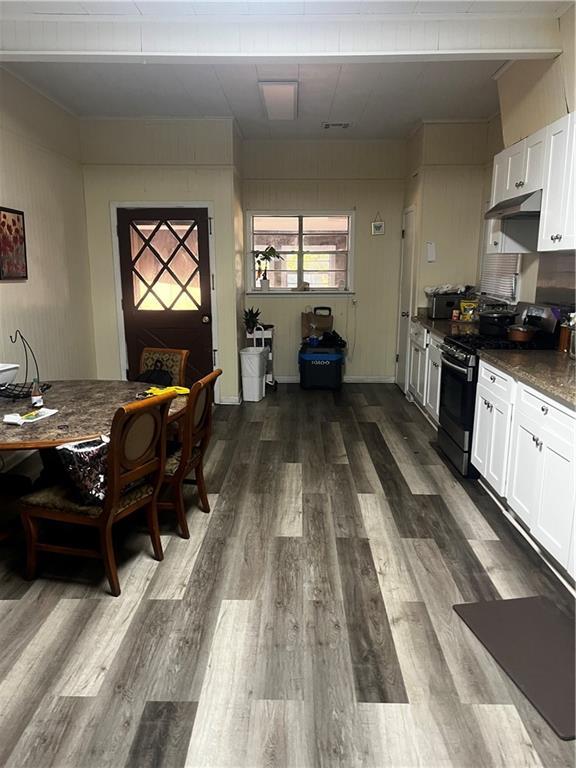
x=280 y=99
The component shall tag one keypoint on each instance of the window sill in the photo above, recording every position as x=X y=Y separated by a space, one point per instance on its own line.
x=299 y=293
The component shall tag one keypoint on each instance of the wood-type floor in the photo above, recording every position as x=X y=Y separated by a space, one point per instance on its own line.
x=307 y=622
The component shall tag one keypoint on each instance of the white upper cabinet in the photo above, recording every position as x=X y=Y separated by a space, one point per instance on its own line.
x=533 y=165
x=556 y=231
x=519 y=168
x=545 y=160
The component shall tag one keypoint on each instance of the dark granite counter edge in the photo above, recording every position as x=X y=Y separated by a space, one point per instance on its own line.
x=444 y=327
x=527 y=377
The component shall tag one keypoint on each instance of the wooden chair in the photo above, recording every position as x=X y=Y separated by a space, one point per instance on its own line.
x=196 y=430
x=136 y=454
x=173 y=360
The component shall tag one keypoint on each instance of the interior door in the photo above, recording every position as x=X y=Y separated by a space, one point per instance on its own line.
x=165 y=269
x=405 y=304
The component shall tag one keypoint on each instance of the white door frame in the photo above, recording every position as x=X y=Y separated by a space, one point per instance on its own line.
x=114 y=206
x=410 y=209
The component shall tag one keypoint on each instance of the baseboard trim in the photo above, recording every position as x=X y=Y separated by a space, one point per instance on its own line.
x=231 y=399
x=346 y=379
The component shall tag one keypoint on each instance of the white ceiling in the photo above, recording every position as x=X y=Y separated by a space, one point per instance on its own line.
x=380 y=100
x=164 y=8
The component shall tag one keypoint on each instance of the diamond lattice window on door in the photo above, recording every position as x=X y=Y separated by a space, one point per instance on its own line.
x=165 y=265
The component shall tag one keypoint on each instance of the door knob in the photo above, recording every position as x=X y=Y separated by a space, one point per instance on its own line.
x=206 y=319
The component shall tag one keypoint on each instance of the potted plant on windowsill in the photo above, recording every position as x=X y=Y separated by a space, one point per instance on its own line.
x=263 y=259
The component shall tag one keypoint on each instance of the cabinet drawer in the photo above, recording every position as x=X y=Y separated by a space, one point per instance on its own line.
x=546 y=413
x=496 y=382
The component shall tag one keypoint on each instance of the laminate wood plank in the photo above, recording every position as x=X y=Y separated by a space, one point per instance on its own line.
x=279 y=735
x=394 y=575
x=509 y=575
x=187 y=645
x=344 y=502
x=418 y=478
x=425 y=672
x=333 y=443
x=338 y=736
x=321 y=572
x=476 y=675
x=220 y=733
x=365 y=477
x=163 y=735
x=53 y=735
x=244 y=579
x=390 y=732
x=35 y=670
x=461 y=506
x=20 y=620
x=170 y=581
x=281 y=635
x=217 y=463
x=377 y=673
x=505 y=737
x=429 y=518
x=287 y=500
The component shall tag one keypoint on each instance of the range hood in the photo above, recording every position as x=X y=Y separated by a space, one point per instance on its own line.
x=525 y=206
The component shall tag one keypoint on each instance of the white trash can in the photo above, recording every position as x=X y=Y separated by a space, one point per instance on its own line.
x=253 y=363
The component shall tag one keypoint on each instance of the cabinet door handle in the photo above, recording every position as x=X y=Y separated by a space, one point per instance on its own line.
x=492 y=379
x=520 y=184
x=495 y=242
x=544 y=409
x=558 y=237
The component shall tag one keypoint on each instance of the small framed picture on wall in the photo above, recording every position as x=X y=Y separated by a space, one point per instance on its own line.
x=13 y=265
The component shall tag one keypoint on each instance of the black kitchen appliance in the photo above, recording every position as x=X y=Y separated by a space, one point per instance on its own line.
x=440 y=305
x=460 y=376
x=495 y=322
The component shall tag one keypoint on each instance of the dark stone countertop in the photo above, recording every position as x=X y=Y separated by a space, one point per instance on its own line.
x=445 y=327
x=85 y=409
x=550 y=372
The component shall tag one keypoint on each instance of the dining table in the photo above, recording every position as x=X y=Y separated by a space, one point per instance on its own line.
x=84 y=408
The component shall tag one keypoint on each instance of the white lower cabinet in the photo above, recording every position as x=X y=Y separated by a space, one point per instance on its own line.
x=554 y=515
x=525 y=469
x=434 y=372
x=492 y=419
x=541 y=485
x=523 y=446
x=418 y=362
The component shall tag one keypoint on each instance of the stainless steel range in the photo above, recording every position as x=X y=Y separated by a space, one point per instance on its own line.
x=460 y=376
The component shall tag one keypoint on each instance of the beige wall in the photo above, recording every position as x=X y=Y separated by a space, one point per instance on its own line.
x=40 y=174
x=447 y=191
x=535 y=93
x=366 y=319
x=168 y=162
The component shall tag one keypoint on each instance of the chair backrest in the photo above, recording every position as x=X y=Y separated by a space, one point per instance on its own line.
x=172 y=360
x=137 y=446
x=198 y=418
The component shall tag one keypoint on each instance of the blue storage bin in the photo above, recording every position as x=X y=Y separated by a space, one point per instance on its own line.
x=320 y=367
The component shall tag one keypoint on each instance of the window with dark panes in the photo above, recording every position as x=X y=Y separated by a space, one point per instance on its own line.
x=315 y=249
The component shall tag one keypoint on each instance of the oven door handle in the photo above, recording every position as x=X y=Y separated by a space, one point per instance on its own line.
x=466 y=371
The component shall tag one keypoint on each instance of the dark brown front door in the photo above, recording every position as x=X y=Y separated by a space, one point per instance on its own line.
x=165 y=268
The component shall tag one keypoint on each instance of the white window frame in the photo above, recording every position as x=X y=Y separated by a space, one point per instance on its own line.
x=495 y=257
x=249 y=260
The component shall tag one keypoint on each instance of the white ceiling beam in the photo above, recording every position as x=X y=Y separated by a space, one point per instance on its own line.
x=407 y=40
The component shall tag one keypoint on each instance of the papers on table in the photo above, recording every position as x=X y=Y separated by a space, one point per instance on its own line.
x=27 y=418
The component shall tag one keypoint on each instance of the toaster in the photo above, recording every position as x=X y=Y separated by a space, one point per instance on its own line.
x=440 y=305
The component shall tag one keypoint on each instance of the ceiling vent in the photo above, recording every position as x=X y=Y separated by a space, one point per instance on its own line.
x=336 y=126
